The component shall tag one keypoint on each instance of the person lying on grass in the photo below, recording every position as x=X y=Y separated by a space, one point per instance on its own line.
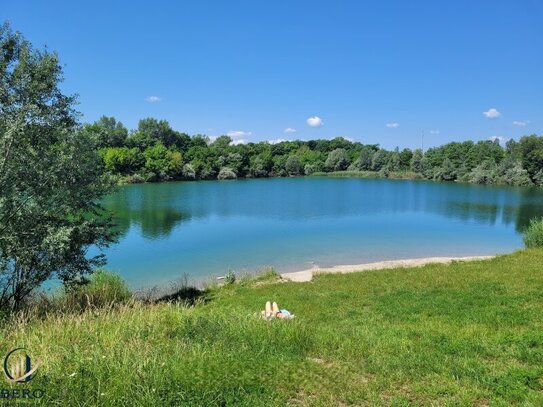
x=272 y=311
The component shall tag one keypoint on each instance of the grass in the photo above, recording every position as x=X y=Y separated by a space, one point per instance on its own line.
x=463 y=334
x=533 y=235
x=370 y=174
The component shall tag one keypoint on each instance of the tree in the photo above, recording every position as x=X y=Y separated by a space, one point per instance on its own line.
x=161 y=163
x=261 y=165
x=151 y=131
x=446 y=172
x=416 y=161
x=107 y=132
x=293 y=166
x=226 y=173
x=50 y=177
x=485 y=173
x=531 y=148
x=405 y=158
x=395 y=160
x=379 y=160
x=366 y=156
x=122 y=160
x=538 y=178
x=337 y=159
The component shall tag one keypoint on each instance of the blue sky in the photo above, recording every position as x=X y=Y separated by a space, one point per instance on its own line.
x=256 y=68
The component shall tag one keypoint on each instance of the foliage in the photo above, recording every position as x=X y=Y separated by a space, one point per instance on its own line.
x=230 y=277
x=533 y=235
x=155 y=152
x=293 y=165
x=107 y=132
x=122 y=160
x=485 y=173
x=531 y=149
x=51 y=177
x=538 y=178
x=226 y=173
x=337 y=160
x=161 y=163
x=104 y=289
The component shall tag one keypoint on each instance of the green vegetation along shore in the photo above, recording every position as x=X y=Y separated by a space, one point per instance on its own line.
x=155 y=152
x=460 y=334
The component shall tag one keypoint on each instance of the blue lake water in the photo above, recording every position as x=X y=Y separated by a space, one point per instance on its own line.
x=206 y=228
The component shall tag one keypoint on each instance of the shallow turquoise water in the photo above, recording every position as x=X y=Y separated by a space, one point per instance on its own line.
x=205 y=228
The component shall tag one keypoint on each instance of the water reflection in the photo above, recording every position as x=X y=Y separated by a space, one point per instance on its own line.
x=148 y=208
x=157 y=209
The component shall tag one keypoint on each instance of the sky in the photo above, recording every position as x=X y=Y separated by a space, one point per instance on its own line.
x=378 y=72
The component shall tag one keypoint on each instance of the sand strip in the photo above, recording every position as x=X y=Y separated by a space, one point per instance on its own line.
x=307 y=275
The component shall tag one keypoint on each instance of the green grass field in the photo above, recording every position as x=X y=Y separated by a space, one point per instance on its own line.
x=465 y=334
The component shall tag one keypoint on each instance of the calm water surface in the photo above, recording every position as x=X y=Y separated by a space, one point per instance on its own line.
x=206 y=228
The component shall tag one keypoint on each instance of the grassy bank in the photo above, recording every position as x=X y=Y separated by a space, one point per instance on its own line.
x=464 y=334
x=370 y=174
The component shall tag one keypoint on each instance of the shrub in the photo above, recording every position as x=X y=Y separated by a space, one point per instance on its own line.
x=533 y=235
x=485 y=173
x=538 y=178
x=188 y=172
x=226 y=173
x=103 y=289
x=134 y=179
x=230 y=277
x=517 y=176
x=337 y=160
x=293 y=166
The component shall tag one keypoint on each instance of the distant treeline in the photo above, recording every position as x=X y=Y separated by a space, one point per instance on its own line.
x=155 y=152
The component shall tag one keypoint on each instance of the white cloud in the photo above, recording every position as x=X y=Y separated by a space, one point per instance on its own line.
x=349 y=139
x=238 y=133
x=289 y=130
x=276 y=141
x=315 y=121
x=153 y=99
x=492 y=114
x=236 y=142
x=392 y=125
x=434 y=131
x=521 y=123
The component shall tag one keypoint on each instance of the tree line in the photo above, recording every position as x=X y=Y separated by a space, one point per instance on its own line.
x=155 y=152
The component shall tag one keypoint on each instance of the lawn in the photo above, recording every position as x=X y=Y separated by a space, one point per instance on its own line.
x=459 y=334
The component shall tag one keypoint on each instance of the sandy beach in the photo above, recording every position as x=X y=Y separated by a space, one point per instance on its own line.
x=307 y=275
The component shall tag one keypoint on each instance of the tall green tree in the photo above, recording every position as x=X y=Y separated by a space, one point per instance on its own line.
x=50 y=177
x=337 y=159
x=107 y=132
x=531 y=149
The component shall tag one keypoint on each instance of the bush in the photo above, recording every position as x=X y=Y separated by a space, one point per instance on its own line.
x=533 y=235
x=517 y=176
x=188 y=172
x=538 y=178
x=226 y=173
x=134 y=179
x=484 y=174
x=293 y=166
x=337 y=160
x=103 y=289
x=230 y=277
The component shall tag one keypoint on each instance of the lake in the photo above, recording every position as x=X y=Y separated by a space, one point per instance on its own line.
x=207 y=228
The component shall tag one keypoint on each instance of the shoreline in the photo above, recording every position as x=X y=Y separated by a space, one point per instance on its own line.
x=307 y=275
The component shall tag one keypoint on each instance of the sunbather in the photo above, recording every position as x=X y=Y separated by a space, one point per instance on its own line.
x=272 y=310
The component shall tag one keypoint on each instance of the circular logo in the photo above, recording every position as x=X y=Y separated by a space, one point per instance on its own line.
x=18 y=366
